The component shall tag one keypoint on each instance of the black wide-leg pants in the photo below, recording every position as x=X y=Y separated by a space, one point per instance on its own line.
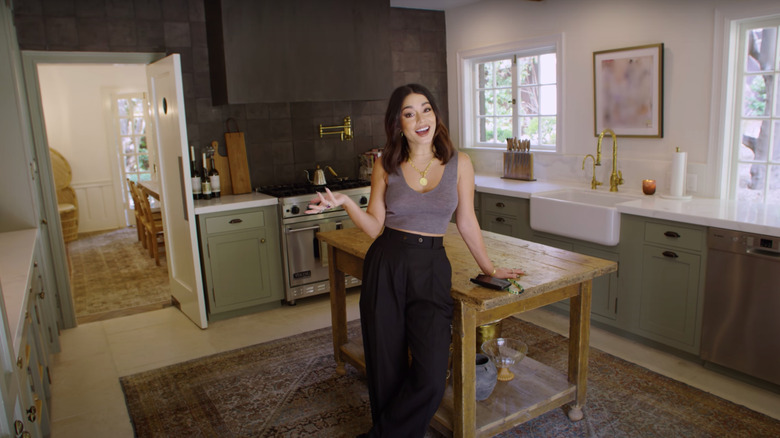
x=405 y=307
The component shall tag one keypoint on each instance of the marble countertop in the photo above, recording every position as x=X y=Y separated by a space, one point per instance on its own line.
x=733 y=215
x=16 y=258
x=234 y=202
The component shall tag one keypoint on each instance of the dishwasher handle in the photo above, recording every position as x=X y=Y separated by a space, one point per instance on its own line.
x=760 y=252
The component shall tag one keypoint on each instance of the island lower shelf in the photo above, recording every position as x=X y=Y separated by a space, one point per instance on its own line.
x=536 y=389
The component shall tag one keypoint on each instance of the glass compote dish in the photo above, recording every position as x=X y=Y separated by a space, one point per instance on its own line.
x=505 y=352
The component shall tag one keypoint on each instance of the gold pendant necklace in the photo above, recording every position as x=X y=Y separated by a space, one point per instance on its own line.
x=423 y=179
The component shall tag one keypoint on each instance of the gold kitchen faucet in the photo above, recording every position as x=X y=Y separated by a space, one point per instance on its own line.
x=616 y=177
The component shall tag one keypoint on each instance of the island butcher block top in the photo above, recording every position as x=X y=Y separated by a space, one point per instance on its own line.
x=546 y=268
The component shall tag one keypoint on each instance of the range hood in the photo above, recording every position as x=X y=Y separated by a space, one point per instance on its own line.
x=298 y=50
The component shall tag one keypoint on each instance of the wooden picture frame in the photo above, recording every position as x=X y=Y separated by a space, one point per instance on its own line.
x=628 y=91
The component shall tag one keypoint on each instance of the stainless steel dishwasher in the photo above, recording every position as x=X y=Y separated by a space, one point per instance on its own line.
x=741 y=315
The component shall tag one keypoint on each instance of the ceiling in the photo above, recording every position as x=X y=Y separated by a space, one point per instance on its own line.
x=438 y=5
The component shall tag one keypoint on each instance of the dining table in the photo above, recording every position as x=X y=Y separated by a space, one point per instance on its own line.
x=551 y=275
x=151 y=187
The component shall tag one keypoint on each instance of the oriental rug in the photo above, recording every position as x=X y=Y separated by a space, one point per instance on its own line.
x=289 y=388
x=112 y=275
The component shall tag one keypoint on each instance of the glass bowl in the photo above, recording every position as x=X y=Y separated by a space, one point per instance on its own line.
x=505 y=352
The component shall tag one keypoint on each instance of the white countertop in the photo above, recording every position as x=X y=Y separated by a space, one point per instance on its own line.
x=234 y=202
x=16 y=258
x=733 y=215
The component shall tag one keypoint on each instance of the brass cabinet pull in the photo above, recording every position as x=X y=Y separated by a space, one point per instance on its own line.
x=32 y=414
x=262 y=240
x=500 y=220
x=670 y=254
x=672 y=234
x=235 y=221
x=500 y=205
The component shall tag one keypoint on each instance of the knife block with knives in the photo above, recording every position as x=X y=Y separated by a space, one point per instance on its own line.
x=519 y=160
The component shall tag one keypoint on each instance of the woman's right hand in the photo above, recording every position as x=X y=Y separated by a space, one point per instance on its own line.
x=325 y=202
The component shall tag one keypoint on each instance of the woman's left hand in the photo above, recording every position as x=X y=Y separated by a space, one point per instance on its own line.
x=508 y=273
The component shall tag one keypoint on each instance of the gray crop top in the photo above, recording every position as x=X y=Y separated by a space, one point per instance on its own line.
x=428 y=212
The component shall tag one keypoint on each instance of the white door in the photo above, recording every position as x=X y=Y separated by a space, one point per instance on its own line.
x=169 y=132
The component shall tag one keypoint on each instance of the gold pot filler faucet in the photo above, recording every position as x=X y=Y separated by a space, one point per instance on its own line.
x=616 y=177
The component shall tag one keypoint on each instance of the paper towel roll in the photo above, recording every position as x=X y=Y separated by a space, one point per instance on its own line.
x=677 y=180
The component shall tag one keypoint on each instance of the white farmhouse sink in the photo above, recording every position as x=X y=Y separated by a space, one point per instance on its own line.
x=580 y=214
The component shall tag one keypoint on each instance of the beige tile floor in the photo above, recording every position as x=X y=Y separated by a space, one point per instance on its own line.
x=87 y=399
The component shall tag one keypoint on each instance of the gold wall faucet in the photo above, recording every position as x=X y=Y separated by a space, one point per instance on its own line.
x=616 y=177
x=345 y=130
x=593 y=182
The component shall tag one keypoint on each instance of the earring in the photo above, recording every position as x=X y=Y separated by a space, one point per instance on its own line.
x=402 y=133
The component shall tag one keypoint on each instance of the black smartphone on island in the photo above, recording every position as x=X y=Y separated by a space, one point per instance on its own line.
x=491 y=282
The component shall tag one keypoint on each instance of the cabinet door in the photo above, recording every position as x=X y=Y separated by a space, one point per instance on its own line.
x=605 y=288
x=239 y=272
x=668 y=299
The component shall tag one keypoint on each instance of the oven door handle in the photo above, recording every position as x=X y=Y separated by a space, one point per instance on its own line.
x=298 y=230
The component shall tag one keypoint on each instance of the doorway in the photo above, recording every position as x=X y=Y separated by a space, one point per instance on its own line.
x=76 y=92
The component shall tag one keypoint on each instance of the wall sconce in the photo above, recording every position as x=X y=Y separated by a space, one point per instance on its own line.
x=344 y=130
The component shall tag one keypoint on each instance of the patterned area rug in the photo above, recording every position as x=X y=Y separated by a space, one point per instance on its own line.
x=112 y=275
x=289 y=388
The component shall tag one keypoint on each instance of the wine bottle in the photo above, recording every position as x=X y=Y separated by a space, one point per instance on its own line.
x=214 y=177
x=205 y=183
x=194 y=175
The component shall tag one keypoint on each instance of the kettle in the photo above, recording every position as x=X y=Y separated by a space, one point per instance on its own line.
x=319 y=177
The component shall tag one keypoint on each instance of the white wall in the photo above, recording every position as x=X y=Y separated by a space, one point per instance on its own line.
x=76 y=106
x=687 y=30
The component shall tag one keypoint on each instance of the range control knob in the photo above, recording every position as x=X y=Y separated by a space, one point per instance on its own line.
x=363 y=200
x=295 y=209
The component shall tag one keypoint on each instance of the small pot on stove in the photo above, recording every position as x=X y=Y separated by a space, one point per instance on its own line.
x=319 y=177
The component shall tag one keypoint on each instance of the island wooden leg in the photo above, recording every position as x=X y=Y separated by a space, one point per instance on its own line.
x=579 y=344
x=338 y=308
x=464 y=334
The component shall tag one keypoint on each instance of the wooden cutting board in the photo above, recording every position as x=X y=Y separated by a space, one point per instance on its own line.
x=239 y=167
x=221 y=163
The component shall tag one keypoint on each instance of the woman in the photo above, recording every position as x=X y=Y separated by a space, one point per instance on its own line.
x=405 y=304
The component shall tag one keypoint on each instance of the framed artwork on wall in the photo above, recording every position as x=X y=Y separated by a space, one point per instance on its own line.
x=628 y=90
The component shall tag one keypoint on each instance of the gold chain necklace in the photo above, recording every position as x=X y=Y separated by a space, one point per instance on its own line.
x=423 y=179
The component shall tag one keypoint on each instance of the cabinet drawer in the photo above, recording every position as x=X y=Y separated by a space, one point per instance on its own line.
x=674 y=235
x=235 y=222
x=501 y=205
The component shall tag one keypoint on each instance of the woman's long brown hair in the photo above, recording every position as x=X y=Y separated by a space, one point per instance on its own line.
x=397 y=148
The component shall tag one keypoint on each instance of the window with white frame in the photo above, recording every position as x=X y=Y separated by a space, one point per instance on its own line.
x=512 y=91
x=754 y=148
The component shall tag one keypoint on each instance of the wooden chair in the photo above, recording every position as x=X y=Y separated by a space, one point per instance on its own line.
x=137 y=211
x=153 y=226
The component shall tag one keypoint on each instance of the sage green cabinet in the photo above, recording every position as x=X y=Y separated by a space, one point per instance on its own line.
x=505 y=215
x=241 y=260
x=663 y=268
x=604 y=290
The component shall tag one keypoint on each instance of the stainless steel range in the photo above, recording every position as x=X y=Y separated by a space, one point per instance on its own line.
x=304 y=257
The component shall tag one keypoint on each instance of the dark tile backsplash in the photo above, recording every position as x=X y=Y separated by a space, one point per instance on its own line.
x=282 y=139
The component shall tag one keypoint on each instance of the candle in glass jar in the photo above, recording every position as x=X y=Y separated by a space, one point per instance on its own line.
x=648 y=186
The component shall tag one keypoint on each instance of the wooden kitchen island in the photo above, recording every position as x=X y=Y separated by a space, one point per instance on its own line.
x=552 y=275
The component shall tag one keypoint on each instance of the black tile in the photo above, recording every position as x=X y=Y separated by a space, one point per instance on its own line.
x=121 y=32
x=59 y=8
x=147 y=9
x=177 y=34
x=93 y=34
x=28 y=8
x=120 y=9
x=61 y=32
x=90 y=8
